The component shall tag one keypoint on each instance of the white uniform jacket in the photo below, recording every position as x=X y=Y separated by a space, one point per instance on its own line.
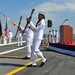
x=38 y=31
x=20 y=33
x=29 y=32
x=10 y=35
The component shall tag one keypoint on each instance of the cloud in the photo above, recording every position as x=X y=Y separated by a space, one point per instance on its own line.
x=51 y=9
x=48 y=7
x=25 y=11
x=63 y=1
x=56 y=7
x=70 y=6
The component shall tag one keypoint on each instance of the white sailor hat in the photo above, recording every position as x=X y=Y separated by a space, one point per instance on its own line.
x=42 y=13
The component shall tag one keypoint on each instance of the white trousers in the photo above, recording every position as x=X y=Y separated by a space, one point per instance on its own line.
x=50 y=39
x=29 y=41
x=10 y=39
x=5 y=40
x=53 y=39
x=19 y=41
x=57 y=39
x=36 y=52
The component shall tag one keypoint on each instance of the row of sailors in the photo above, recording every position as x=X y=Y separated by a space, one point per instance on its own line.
x=54 y=36
x=6 y=37
x=33 y=40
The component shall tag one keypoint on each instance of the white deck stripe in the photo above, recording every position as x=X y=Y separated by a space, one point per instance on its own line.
x=12 y=50
x=9 y=43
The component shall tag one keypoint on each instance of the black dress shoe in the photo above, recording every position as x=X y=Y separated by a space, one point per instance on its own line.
x=42 y=63
x=27 y=58
x=31 y=65
x=21 y=46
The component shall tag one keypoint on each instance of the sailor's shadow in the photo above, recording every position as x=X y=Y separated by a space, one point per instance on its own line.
x=11 y=64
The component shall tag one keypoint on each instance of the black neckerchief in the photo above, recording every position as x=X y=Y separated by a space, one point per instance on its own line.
x=38 y=22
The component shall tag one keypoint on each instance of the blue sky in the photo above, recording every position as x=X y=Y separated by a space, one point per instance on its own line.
x=55 y=10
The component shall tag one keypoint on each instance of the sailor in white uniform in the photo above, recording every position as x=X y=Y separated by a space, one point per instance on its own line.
x=29 y=40
x=56 y=36
x=20 y=30
x=50 y=36
x=53 y=36
x=38 y=36
x=10 y=36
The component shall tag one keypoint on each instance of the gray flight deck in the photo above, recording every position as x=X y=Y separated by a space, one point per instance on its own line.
x=12 y=63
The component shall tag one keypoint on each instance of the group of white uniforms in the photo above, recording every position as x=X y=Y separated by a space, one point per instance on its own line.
x=54 y=36
x=33 y=38
x=8 y=36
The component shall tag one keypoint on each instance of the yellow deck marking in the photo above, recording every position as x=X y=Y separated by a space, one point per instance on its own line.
x=5 y=56
x=21 y=68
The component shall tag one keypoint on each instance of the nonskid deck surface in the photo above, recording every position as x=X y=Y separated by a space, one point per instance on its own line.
x=12 y=62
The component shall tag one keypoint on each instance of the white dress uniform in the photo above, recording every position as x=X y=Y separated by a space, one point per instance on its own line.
x=50 y=36
x=57 y=36
x=10 y=36
x=4 y=37
x=20 y=37
x=5 y=41
x=29 y=40
x=38 y=36
x=53 y=36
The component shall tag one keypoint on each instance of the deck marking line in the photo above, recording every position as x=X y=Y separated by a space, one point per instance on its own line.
x=12 y=50
x=21 y=68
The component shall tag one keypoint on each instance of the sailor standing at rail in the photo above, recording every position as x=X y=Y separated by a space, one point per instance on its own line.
x=29 y=40
x=50 y=36
x=38 y=36
x=20 y=30
x=56 y=36
x=53 y=36
x=10 y=35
